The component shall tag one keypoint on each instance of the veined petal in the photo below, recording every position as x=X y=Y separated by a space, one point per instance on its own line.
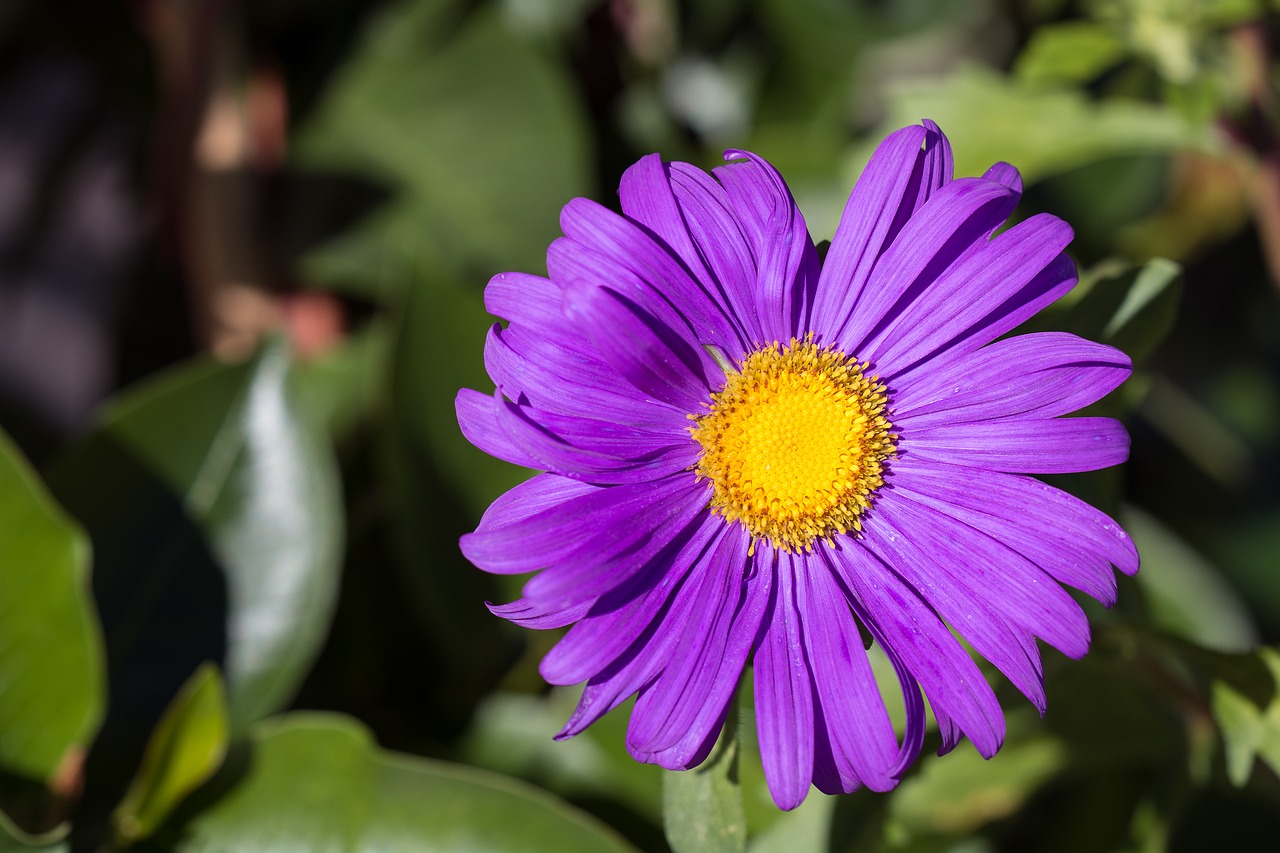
x=1040 y=375
x=786 y=260
x=691 y=694
x=648 y=353
x=864 y=746
x=784 y=693
x=955 y=688
x=956 y=219
x=964 y=294
x=1025 y=446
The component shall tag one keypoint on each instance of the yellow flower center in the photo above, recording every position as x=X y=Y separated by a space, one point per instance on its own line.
x=794 y=444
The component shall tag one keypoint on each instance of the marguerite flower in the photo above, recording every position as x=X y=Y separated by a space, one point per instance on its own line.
x=751 y=457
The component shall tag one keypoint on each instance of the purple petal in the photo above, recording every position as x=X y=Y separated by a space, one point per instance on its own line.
x=887 y=191
x=956 y=689
x=1042 y=375
x=965 y=564
x=1070 y=539
x=620 y=616
x=636 y=265
x=722 y=244
x=694 y=219
x=956 y=219
x=1049 y=446
x=544 y=521
x=689 y=698
x=645 y=351
x=786 y=260
x=530 y=615
x=523 y=299
x=968 y=291
x=623 y=540
x=591 y=450
x=959 y=598
x=1052 y=283
x=784 y=693
x=555 y=378
x=863 y=744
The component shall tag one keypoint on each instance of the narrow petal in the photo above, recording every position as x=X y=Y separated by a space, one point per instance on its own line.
x=958 y=217
x=1082 y=543
x=1031 y=446
x=585 y=449
x=695 y=221
x=787 y=262
x=1040 y=375
x=955 y=688
x=531 y=615
x=864 y=746
x=1057 y=279
x=557 y=379
x=887 y=191
x=523 y=299
x=620 y=616
x=545 y=520
x=623 y=541
x=958 y=598
x=627 y=251
x=692 y=693
x=784 y=694
x=649 y=354
x=970 y=568
x=965 y=293
x=723 y=245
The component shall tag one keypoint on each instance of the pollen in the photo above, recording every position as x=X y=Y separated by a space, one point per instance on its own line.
x=794 y=445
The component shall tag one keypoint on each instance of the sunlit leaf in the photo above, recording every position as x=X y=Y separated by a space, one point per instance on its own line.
x=1071 y=52
x=51 y=660
x=317 y=782
x=186 y=748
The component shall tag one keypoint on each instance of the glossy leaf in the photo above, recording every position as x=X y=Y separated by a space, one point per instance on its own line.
x=51 y=660
x=186 y=748
x=219 y=536
x=318 y=782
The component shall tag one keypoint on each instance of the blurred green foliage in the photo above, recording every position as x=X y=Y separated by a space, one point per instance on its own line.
x=243 y=571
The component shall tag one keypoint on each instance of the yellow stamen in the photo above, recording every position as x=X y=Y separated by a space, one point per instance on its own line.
x=794 y=444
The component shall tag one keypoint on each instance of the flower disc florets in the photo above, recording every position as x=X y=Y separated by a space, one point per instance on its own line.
x=794 y=444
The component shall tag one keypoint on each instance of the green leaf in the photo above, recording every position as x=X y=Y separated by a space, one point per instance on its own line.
x=1250 y=730
x=51 y=659
x=186 y=748
x=1131 y=308
x=1070 y=52
x=477 y=133
x=989 y=118
x=702 y=807
x=1185 y=594
x=317 y=782
x=219 y=536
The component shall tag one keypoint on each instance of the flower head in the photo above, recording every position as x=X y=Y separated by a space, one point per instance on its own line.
x=752 y=457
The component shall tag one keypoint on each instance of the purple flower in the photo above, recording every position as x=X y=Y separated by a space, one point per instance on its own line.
x=755 y=458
